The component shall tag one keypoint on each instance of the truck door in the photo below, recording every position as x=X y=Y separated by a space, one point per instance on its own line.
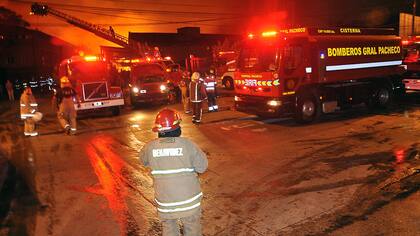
x=293 y=68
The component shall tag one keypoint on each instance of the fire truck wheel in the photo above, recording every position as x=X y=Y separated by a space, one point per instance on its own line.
x=307 y=109
x=228 y=82
x=382 y=98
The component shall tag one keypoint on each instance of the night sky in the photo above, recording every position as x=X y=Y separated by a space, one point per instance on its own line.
x=213 y=16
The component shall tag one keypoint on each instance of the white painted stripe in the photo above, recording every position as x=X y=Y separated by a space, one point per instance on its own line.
x=27 y=115
x=308 y=70
x=180 y=202
x=179 y=209
x=174 y=171
x=363 y=65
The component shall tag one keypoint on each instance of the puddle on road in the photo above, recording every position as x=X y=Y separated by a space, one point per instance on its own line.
x=109 y=169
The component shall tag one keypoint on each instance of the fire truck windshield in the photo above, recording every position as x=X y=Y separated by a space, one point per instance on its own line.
x=259 y=58
x=93 y=70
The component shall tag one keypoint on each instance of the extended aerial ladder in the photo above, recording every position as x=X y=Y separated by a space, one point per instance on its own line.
x=108 y=34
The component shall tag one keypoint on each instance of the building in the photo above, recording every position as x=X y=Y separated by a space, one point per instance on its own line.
x=181 y=45
x=29 y=55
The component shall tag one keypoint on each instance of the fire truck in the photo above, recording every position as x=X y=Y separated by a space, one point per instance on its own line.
x=150 y=83
x=306 y=72
x=411 y=48
x=94 y=82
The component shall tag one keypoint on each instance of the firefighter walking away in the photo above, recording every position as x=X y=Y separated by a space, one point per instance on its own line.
x=65 y=99
x=175 y=163
x=197 y=96
x=28 y=112
x=210 y=83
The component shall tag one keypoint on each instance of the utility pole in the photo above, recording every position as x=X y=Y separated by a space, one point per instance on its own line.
x=414 y=19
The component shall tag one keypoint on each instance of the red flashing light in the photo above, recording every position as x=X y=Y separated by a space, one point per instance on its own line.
x=244 y=87
x=251 y=36
x=405 y=42
x=269 y=34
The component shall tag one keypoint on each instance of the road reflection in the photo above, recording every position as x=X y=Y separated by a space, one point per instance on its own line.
x=108 y=167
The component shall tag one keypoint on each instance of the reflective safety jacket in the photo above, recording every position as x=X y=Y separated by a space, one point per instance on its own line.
x=66 y=97
x=175 y=163
x=197 y=91
x=28 y=106
x=210 y=83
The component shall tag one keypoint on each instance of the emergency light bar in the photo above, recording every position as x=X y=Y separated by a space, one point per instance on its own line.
x=269 y=34
x=91 y=58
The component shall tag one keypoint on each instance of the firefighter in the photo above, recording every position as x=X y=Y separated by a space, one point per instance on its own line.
x=175 y=163
x=65 y=99
x=185 y=96
x=28 y=112
x=197 y=95
x=210 y=83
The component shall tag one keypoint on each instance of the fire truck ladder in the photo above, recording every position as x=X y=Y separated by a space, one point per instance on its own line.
x=108 y=34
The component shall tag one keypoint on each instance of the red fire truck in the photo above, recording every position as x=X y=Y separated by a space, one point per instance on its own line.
x=150 y=83
x=94 y=82
x=411 y=49
x=309 y=71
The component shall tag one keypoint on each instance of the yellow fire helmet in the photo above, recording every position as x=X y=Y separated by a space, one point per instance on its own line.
x=195 y=76
x=64 y=81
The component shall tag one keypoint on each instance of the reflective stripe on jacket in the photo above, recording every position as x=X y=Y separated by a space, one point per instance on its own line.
x=28 y=106
x=197 y=91
x=175 y=163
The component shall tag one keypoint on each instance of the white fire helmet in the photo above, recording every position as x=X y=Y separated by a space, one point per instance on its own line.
x=37 y=116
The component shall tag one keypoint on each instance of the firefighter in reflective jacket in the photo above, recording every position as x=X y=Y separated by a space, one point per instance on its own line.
x=175 y=162
x=28 y=112
x=65 y=99
x=210 y=83
x=197 y=95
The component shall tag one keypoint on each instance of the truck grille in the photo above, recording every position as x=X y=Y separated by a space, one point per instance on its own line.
x=95 y=91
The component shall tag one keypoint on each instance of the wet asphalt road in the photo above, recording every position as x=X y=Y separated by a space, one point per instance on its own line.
x=266 y=176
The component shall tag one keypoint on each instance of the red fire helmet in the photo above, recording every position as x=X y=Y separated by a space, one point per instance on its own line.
x=167 y=120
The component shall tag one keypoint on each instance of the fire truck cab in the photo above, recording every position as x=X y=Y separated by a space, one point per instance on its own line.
x=93 y=80
x=149 y=83
x=305 y=72
x=412 y=61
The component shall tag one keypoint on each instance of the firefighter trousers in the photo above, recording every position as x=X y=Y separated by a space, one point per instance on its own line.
x=197 y=111
x=212 y=102
x=29 y=127
x=67 y=118
x=191 y=226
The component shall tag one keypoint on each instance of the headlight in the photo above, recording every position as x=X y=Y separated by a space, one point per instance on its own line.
x=238 y=99
x=274 y=103
x=135 y=90
x=162 y=87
